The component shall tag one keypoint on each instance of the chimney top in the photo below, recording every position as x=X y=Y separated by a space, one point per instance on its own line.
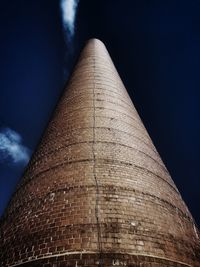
x=95 y=40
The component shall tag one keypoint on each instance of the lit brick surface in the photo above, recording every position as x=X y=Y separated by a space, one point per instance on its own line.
x=96 y=192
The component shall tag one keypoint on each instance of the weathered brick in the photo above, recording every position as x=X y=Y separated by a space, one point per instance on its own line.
x=96 y=192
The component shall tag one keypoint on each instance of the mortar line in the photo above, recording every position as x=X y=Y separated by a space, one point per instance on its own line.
x=93 y=252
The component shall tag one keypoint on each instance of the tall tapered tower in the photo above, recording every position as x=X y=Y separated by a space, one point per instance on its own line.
x=96 y=192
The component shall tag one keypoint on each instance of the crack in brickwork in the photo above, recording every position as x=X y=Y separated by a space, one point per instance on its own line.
x=97 y=205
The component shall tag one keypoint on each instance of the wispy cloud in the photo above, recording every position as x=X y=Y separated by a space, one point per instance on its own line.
x=68 y=12
x=12 y=149
x=68 y=8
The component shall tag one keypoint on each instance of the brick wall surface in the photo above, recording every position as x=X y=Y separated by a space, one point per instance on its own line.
x=96 y=192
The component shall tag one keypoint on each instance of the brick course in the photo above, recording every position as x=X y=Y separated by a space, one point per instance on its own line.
x=96 y=192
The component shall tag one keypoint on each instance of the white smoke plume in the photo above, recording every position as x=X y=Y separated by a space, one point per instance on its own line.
x=11 y=148
x=68 y=9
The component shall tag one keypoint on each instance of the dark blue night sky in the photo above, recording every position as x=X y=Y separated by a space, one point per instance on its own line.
x=155 y=46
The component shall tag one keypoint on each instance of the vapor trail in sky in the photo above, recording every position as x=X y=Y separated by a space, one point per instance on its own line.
x=68 y=9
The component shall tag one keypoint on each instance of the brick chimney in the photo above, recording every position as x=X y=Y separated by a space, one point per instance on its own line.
x=96 y=192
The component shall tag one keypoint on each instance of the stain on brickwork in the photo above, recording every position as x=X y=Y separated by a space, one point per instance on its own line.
x=96 y=192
